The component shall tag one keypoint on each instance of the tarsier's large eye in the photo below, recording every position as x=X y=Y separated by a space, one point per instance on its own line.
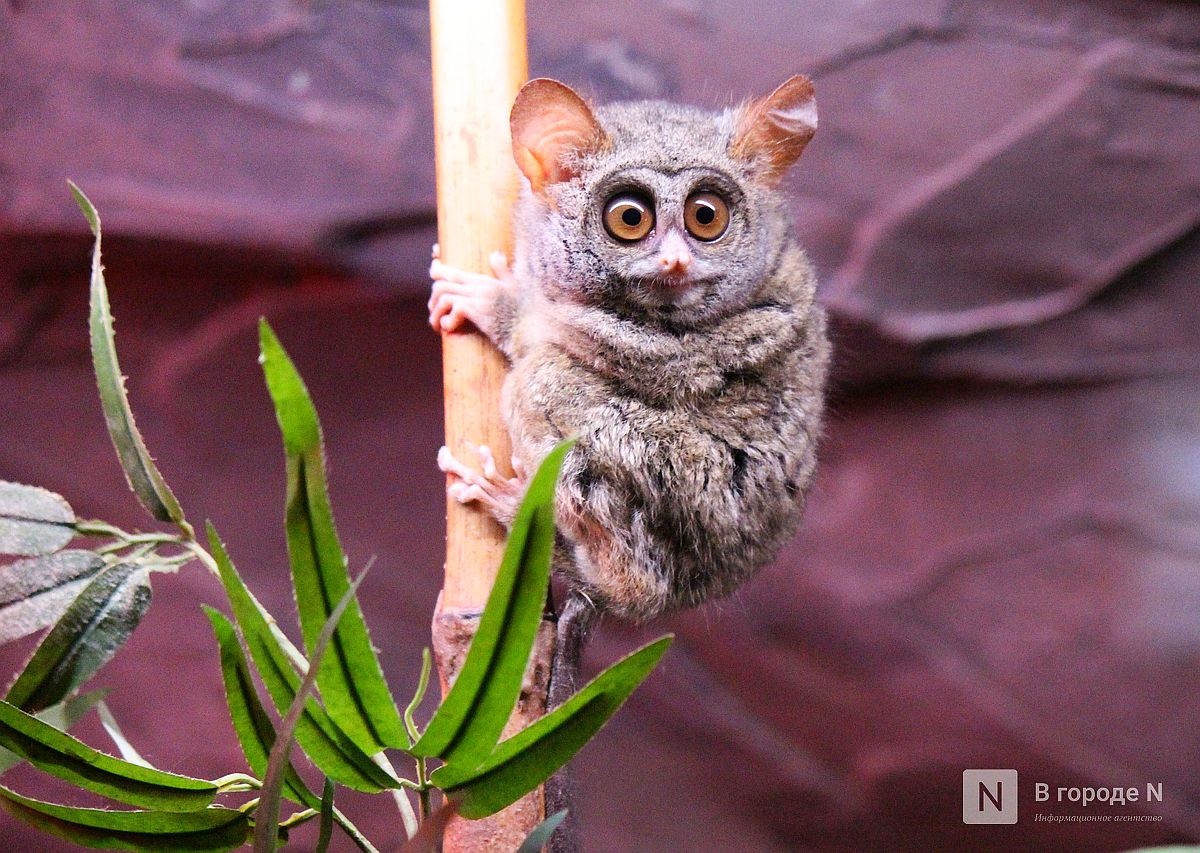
x=628 y=217
x=705 y=215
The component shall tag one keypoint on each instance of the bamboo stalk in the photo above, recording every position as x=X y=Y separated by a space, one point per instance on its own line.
x=479 y=63
x=478 y=52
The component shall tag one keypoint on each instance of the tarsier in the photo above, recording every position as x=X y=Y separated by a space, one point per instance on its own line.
x=659 y=309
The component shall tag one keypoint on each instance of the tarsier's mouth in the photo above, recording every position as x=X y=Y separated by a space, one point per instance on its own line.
x=672 y=293
x=672 y=284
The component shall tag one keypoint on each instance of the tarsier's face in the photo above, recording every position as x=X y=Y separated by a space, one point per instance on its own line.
x=659 y=209
x=670 y=240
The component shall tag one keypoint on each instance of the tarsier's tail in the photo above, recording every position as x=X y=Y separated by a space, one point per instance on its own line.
x=576 y=619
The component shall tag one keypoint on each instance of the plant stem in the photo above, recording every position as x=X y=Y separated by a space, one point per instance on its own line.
x=422 y=685
x=298 y=818
x=407 y=816
x=95 y=527
x=423 y=790
x=237 y=782
x=351 y=830
x=401 y=798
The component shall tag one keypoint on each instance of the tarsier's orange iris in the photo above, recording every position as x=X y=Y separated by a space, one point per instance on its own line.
x=628 y=217
x=706 y=216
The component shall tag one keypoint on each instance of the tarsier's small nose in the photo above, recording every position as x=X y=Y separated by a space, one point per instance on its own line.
x=673 y=254
x=676 y=263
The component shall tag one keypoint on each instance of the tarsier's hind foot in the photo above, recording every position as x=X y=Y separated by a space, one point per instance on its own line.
x=458 y=296
x=498 y=494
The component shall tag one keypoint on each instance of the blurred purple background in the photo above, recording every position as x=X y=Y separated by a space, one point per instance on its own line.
x=1000 y=566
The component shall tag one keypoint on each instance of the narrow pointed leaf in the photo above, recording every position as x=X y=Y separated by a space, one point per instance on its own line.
x=209 y=830
x=35 y=592
x=350 y=678
x=319 y=736
x=62 y=716
x=33 y=521
x=278 y=763
x=530 y=757
x=61 y=755
x=467 y=725
x=537 y=839
x=325 y=834
x=254 y=729
x=143 y=476
x=95 y=625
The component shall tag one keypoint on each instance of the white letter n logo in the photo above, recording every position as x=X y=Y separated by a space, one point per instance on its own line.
x=989 y=796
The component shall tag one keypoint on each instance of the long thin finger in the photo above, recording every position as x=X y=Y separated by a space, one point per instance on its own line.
x=439 y=270
x=458 y=288
x=455 y=318
x=438 y=294
x=450 y=292
x=441 y=307
x=466 y=493
x=487 y=460
x=449 y=463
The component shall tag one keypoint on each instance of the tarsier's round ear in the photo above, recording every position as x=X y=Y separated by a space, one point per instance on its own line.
x=773 y=131
x=549 y=124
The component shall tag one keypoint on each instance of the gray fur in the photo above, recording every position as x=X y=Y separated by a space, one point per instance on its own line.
x=697 y=417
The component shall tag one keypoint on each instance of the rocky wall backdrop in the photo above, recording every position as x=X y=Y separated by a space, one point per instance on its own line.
x=1000 y=566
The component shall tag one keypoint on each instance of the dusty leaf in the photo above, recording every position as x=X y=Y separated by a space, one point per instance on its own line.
x=35 y=592
x=33 y=521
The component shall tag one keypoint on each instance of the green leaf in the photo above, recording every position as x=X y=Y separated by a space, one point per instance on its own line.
x=536 y=840
x=61 y=755
x=266 y=818
x=350 y=678
x=466 y=726
x=532 y=755
x=61 y=715
x=35 y=592
x=143 y=476
x=210 y=830
x=319 y=736
x=325 y=835
x=33 y=521
x=255 y=732
x=93 y=628
x=253 y=727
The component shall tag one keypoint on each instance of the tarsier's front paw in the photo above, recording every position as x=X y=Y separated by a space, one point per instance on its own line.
x=459 y=296
x=498 y=494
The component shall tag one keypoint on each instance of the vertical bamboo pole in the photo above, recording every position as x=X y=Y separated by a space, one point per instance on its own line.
x=479 y=63
x=478 y=51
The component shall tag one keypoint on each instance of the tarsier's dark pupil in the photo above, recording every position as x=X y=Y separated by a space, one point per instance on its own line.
x=706 y=216
x=628 y=218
